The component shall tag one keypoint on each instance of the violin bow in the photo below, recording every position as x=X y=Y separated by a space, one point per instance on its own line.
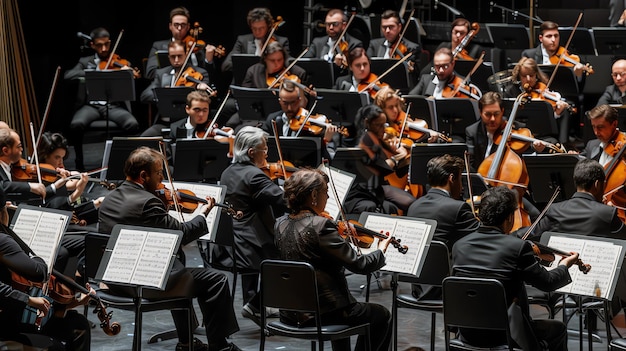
x=182 y=68
x=171 y=181
x=275 y=26
x=469 y=184
x=332 y=51
x=369 y=86
x=543 y=212
x=47 y=110
x=219 y=110
x=558 y=63
x=395 y=47
x=288 y=68
x=36 y=158
x=479 y=62
x=406 y=118
x=306 y=118
x=119 y=37
x=280 y=153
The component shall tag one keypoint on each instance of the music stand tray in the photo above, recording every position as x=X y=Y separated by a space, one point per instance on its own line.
x=171 y=102
x=610 y=40
x=319 y=72
x=420 y=108
x=301 y=151
x=353 y=160
x=565 y=81
x=241 y=63
x=508 y=36
x=453 y=115
x=341 y=107
x=163 y=59
x=200 y=160
x=110 y=85
x=546 y=172
x=422 y=153
x=399 y=76
x=117 y=150
x=582 y=42
x=255 y=104
x=536 y=115
x=480 y=76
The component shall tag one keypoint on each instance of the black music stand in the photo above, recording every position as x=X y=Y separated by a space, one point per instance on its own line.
x=422 y=153
x=118 y=149
x=255 y=104
x=171 y=102
x=565 y=81
x=241 y=63
x=420 y=107
x=479 y=185
x=341 y=106
x=200 y=160
x=399 y=77
x=110 y=86
x=547 y=171
x=610 y=40
x=301 y=151
x=453 y=115
x=621 y=116
x=320 y=73
x=353 y=160
x=480 y=76
x=163 y=59
x=509 y=36
x=582 y=42
x=536 y=115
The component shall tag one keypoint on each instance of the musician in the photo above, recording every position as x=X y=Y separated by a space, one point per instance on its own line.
x=603 y=120
x=90 y=111
x=533 y=81
x=491 y=253
x=179 y=26
x=394 y=108
x=391 y=29
x=304 y=235
x=260 y=21
x=336 y=22
x=69 y=332
x=290 y=98
x=615 y=93
x=384 y=160
x=198 y=111
x=272 y=65
x=443 y=203
x=135 y=203
x=548 y=51
x=166 y=77
x=445 y=80
x=261 y=200
x=360 y=75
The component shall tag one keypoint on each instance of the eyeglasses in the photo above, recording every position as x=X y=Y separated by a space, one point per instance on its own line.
x=616 y=74
x=333 y=24
x=445 y=66
x=180 y=25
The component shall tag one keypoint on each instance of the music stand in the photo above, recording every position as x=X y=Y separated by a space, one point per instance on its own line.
x=422 y=153
x=565 y=81
x=163 y=59
x=241 y=63
x=621 y=116
x=255 y=104
x=453 y=115
x=301 y=151
x=319 y=72
x=508 y=35
x=341 y=106
x=610 y=40
x=547 y=171
x=399 y=76
x=536 y=115
x=171 y=102
x=117 y=150
x=200 y=160
x=582 y=42
x=420 y=108
x=479 y=185
x=479 y=77
x=110 y=86
x=353 y=160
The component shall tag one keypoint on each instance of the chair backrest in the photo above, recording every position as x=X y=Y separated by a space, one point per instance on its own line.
x=289 y=285
x=436 y=266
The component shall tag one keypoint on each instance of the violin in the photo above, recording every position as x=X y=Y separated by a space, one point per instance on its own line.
x=522 y=138
x=569 y=60
x=191 y=78
x=275 y=79
x=314 y=124
x=371 y=84
x=550 y=96
x=189 y=202
x=456 y=90
x=115 y=62
x=460 y=52
x=274 y=170
x=547 y=254
x=192 y=42
x=417 y=128
x=27 y=172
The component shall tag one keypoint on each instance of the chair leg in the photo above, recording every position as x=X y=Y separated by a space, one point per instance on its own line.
x=433 y=327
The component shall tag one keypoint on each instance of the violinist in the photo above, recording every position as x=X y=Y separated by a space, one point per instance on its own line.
x=549 y=52
x=491 y=253
x=616 y=92
x=261 y=200
x=117 y=112
x=180 y=26
x=135 y=202
x=532 y=80
x=445 y=80
x=260 y=21
x=293 y=114
x=384 y=160
x=167 y=77
x=305 y=235
x=604 y=120
x=69 y=332
x=336 y=23
x=273 y=64
x=361 y=76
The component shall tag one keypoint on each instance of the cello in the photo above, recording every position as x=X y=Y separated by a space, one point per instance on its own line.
x=615 y=173
x=506 y=167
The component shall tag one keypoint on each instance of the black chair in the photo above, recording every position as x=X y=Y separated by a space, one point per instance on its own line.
x=436 y=269
x=292 y=286
x=475 y=303
x=95 y=244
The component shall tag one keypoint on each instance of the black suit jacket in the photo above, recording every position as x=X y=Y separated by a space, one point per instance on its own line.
x=245 y=45
x=611 y=95
x=534 y=53
x=161 y=45
x=19 y=191
x=256 y=76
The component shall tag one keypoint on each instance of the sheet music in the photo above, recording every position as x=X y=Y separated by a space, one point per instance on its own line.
x=141 y=258
x=41 y=230
x=601 y=255
x=201 y=191
x=410 y=232
x=342 y=181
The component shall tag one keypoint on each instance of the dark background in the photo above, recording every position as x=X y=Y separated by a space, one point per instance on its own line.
x=50 y=31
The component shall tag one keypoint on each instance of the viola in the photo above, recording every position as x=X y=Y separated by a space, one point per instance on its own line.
x=314 y=125
x=116 y=62
x=460 y=52
x=547 y=254
x=189 y=202
x=192 y=42
x=27 y=172
x=371 y=84
x=191 y=78
x=274 y=170
x=566 y=59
